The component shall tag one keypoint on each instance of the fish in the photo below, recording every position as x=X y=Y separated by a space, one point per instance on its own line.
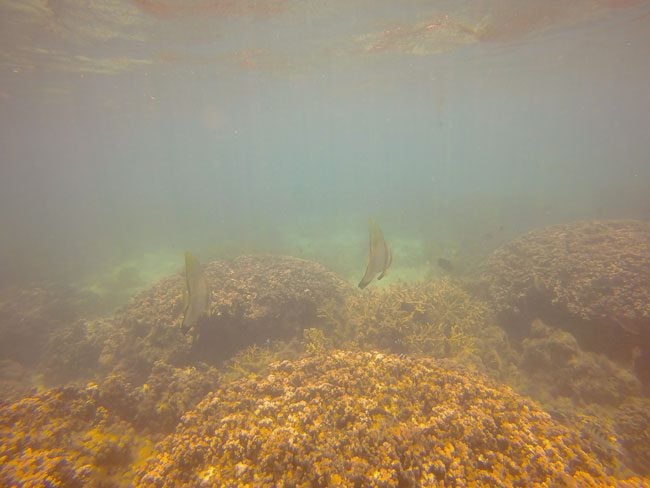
x=197 y=296
x=380 y=256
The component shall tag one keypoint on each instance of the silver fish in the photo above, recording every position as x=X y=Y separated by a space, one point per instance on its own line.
x=380 y=256
x=198 y=293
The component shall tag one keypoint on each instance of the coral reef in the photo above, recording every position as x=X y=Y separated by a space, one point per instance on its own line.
x=256 y=300
x=593 y=271
x=40 y=329
x=255 y=360
x=557 y=366
x=63 y=437
x=369 y=419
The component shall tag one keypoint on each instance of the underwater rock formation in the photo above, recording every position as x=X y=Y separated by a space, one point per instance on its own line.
x=593 y=272
x=369 y=419
x=255 y=299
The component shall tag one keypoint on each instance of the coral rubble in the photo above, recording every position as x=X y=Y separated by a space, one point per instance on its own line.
x=369 y=419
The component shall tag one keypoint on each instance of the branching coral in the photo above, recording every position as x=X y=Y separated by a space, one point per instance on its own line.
x=369 y=419
x=431 y=317
x=435 y=318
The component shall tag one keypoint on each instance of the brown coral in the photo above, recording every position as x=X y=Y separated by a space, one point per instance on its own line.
x=368 y=419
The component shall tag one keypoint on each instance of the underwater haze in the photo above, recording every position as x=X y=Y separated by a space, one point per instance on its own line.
x=132 y=131
x=365 y=243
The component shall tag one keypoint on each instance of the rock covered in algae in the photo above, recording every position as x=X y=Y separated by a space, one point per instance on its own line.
x=254 y=299
x=368 y=419
x=593 y=271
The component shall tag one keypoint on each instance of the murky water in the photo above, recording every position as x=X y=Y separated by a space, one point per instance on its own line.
x=501 y=148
